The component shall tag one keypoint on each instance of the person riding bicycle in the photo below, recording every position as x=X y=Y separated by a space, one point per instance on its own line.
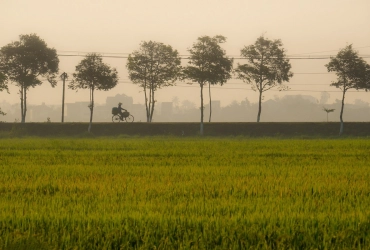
x=121 y=114
x=120 y=109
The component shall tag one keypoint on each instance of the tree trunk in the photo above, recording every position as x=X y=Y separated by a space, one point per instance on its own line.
x=201 y=109
x=152 y=109
x=260 y=89
x=259 y=106
x=146 y=103
x=210 y=103
x=22 y=100
x=149 y=106
x=23 y=93
x=64 y=81
x=341 y=112
x=25 y=106
x=91 y=108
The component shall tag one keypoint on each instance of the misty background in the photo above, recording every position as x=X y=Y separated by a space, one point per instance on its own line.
x=290 y=108
x=311 y=31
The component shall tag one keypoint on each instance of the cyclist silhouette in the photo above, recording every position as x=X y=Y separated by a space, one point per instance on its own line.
x=121 y=114
x=120 y=109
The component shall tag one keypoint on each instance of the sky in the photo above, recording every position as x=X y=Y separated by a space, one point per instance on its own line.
x=307 y=28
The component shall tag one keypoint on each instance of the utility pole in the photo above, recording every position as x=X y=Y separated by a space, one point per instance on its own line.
x=63 y=76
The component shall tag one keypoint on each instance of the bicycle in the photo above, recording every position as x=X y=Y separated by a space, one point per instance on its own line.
x=124 y=116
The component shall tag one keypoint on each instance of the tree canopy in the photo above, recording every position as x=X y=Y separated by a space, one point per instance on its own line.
x=25 y=61
x=208 y=64
x=352 y=73
x=93 y=74
x=3 y=82
x=267 y=67
x=3 y=86
x=153 y=66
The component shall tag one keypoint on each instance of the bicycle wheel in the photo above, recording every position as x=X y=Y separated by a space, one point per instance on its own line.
x=116 y=118
x=129 y=118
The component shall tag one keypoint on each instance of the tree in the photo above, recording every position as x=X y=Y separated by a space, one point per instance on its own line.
x=352 y=72
x=3 y=82
x=153 y=66
x=266 y=67
x=91 y=73
x=3 y=86
x=327 y=112
x=26 y=60
x=208 y=65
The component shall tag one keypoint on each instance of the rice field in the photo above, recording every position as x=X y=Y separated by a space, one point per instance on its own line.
x=184 y=193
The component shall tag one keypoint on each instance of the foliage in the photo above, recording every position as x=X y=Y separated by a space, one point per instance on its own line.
x=266 y=67
x=350 y=69
x=91 y=73
x=3 y=81
x=182 y=193
x=24 y=61
x=327 y=112
x=3 y=86
x=352 y=73
x=153 y=66
x=208 y=64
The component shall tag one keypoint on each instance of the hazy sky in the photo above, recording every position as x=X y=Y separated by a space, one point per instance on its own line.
x=72 y=27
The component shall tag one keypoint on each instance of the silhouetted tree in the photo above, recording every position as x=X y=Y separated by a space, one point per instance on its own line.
x=3 y=82
x=91 y=73
x=153 y=66
x=327 y=112
x=208 y=64
x=3 y=86
x=24 y=61
x=266 y=67
x=352 y=72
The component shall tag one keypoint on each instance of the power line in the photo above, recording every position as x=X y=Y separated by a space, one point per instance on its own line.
x=86 y=52
x=326 y=51
x=129 y=81
x=237 y=58
x=276 y=90
x=125 y=53
x=185 y=85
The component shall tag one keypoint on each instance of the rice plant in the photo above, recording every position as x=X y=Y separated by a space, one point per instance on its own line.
x=184 y=193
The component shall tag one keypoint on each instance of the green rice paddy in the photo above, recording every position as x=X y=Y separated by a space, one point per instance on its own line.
x=184 y=193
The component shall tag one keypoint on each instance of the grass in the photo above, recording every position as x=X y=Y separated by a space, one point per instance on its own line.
x=184 y=193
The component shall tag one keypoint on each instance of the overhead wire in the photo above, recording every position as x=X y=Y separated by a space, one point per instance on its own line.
x=185 y=85
x=237 y=58
x=306 y=56
x=125 y=53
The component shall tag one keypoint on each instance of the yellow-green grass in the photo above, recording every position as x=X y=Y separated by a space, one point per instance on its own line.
x=183 y=193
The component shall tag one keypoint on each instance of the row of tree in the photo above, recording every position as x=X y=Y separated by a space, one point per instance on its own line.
x=155 y=65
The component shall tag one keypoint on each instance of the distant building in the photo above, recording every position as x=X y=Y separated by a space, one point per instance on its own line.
x=102 y=114
x=127 y=101
x=139 y=113
x=43 y=113
x=77 y=112
x=166 y=112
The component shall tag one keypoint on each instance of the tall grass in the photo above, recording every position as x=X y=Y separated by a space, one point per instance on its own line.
x=183 y=193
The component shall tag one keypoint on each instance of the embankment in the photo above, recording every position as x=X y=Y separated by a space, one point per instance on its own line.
x=263 y=129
